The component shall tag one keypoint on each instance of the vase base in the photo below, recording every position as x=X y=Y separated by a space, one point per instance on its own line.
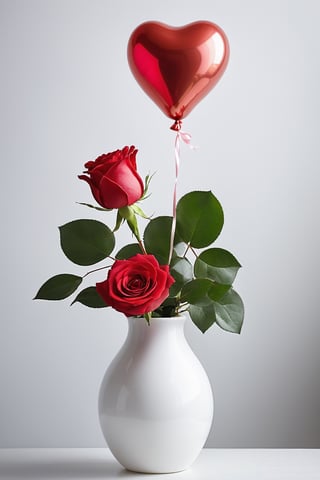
x=156 y=471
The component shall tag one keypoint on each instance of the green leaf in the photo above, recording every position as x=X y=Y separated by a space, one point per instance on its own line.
x=168 y=308
x=230 y=312
x=58 y=287
x=217 y=264
x=196 y=292
x=90 y=298
x=217 y=291
x=86 y=242
x=199 y=218
x=181 y=270
x=170 y=302
x=202 y=317
x=157 y=236
x=128 y=251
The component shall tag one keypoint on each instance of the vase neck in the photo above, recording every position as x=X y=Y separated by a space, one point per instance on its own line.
x=161 y=328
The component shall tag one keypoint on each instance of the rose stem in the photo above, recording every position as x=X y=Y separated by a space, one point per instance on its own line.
x=96 y=270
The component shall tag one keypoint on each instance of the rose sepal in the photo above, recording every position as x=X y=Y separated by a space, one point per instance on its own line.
x=147 y=181
x=119 y=222
x=128 y=214
x=147 y=316
x=100 y=209
x=139 y=211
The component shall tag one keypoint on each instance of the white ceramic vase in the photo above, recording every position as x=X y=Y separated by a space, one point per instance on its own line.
x=155 y=401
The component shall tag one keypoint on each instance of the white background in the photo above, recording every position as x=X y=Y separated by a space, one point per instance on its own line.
x=67 y=95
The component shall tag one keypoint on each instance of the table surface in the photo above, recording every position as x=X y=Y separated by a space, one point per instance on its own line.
x=212 y=464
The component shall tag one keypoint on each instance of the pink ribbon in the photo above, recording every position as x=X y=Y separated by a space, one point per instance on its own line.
x=186 y=138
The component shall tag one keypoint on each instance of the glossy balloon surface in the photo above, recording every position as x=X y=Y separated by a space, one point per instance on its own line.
x=178 y=66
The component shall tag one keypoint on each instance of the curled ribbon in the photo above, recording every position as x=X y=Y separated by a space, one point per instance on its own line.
x=186 y=138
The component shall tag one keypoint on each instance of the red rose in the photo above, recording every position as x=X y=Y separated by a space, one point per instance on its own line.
x=113 y=178
x=136 y=286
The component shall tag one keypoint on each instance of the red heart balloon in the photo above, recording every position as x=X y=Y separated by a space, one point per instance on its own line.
x=177 y=66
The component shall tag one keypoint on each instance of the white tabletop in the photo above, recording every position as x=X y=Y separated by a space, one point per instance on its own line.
x=212 y=464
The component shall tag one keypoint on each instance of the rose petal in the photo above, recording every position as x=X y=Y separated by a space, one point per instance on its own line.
x=123 y=174
x=112 y=195
x=94 y=190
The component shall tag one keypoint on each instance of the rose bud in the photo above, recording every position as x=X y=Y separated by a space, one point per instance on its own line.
x=113 y=178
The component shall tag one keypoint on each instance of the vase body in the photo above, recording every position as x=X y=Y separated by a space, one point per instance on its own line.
x=155 y=401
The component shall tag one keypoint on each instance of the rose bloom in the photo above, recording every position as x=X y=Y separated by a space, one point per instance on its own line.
x=137 y=285
x=113 y=178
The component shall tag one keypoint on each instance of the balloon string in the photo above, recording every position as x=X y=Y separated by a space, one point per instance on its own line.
x=186 y=138
x=174 y=203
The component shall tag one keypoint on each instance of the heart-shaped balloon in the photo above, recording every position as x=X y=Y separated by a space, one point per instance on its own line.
x=177 y=66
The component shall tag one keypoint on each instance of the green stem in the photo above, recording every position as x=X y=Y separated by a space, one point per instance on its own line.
x=193 y=251
x=96 y=270
x=142 y=246
x=185 y=253
x=182 y=311
x=129 y=215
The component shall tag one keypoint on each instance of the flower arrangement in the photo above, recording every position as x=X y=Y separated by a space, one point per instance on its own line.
x=167 y=270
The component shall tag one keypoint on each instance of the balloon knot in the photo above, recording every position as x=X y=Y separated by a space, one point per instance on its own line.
x=176 y=126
